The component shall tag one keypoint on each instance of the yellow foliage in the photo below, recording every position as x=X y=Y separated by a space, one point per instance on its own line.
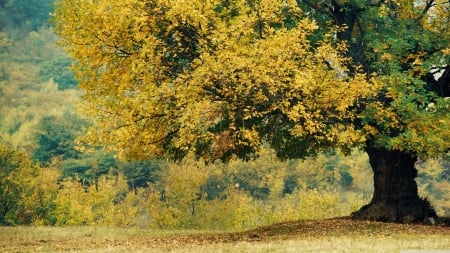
x=182 y=200
x=107 y=202
x=237 y=212
x=163 y=76
x=27 y=192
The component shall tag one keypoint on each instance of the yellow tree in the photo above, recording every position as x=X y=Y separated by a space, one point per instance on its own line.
x=165 y=78
x=27 y=192
x=219 y=78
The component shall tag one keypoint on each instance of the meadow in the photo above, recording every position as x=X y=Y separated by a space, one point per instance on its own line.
x=329 y=235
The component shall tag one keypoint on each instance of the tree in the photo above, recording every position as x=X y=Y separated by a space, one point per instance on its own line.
x=140 y=174
x=27 y=192
x=58 y=69
x=31 y=13
x=56 y=137
x=88 y=168
x=213 y=78
x=27 y=87
x=221 y=78
x=405 y=43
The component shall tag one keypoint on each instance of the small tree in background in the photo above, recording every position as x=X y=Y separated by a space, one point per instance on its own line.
x=27 y=192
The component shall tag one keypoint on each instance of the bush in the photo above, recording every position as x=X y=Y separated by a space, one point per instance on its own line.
x=186 y=195
x=192 y=195
x=27 y=192
x=107 y=202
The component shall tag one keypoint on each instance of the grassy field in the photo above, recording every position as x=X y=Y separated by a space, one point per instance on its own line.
x=334 y=235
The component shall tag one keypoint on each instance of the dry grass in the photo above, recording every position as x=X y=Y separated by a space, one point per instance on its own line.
x=333 y=235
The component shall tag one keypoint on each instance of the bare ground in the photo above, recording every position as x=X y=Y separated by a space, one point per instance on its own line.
x=14 y=240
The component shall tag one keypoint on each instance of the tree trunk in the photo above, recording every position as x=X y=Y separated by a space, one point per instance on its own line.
x=395 y=197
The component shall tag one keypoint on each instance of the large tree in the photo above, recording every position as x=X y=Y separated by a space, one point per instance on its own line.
x=407 y=45
x=220 y=78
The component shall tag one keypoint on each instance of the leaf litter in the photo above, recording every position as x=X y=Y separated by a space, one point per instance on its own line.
x=282 y=231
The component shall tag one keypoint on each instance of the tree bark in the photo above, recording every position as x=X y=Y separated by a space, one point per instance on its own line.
x=395 y=197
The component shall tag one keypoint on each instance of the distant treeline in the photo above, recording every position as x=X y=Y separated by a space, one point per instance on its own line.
x=32 y=14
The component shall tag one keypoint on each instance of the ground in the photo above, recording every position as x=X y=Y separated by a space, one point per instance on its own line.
x=339 y=235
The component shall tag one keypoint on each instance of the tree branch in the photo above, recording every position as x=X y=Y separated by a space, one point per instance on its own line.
x=428 y=5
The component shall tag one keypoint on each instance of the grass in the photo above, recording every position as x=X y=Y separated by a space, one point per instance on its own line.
x=333 y=235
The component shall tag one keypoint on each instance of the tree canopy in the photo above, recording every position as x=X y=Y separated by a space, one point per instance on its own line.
x=215 y=78
x=220 y=78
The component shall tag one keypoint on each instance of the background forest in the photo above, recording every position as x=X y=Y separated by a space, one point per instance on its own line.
x=44 y=179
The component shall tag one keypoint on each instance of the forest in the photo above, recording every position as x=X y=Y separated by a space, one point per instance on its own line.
x=61 y=164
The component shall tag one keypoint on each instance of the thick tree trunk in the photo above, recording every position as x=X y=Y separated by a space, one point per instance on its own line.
x=395 y=197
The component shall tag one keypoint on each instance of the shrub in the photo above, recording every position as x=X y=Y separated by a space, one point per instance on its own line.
x=27 y=192
x=107 y=202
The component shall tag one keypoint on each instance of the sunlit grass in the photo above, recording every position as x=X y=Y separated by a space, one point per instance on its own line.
x=102 y=239
x=43 y=232
x=332 y=244
x=92 y=239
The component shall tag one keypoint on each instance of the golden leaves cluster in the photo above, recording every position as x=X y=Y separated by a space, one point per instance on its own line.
x=164 y=76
